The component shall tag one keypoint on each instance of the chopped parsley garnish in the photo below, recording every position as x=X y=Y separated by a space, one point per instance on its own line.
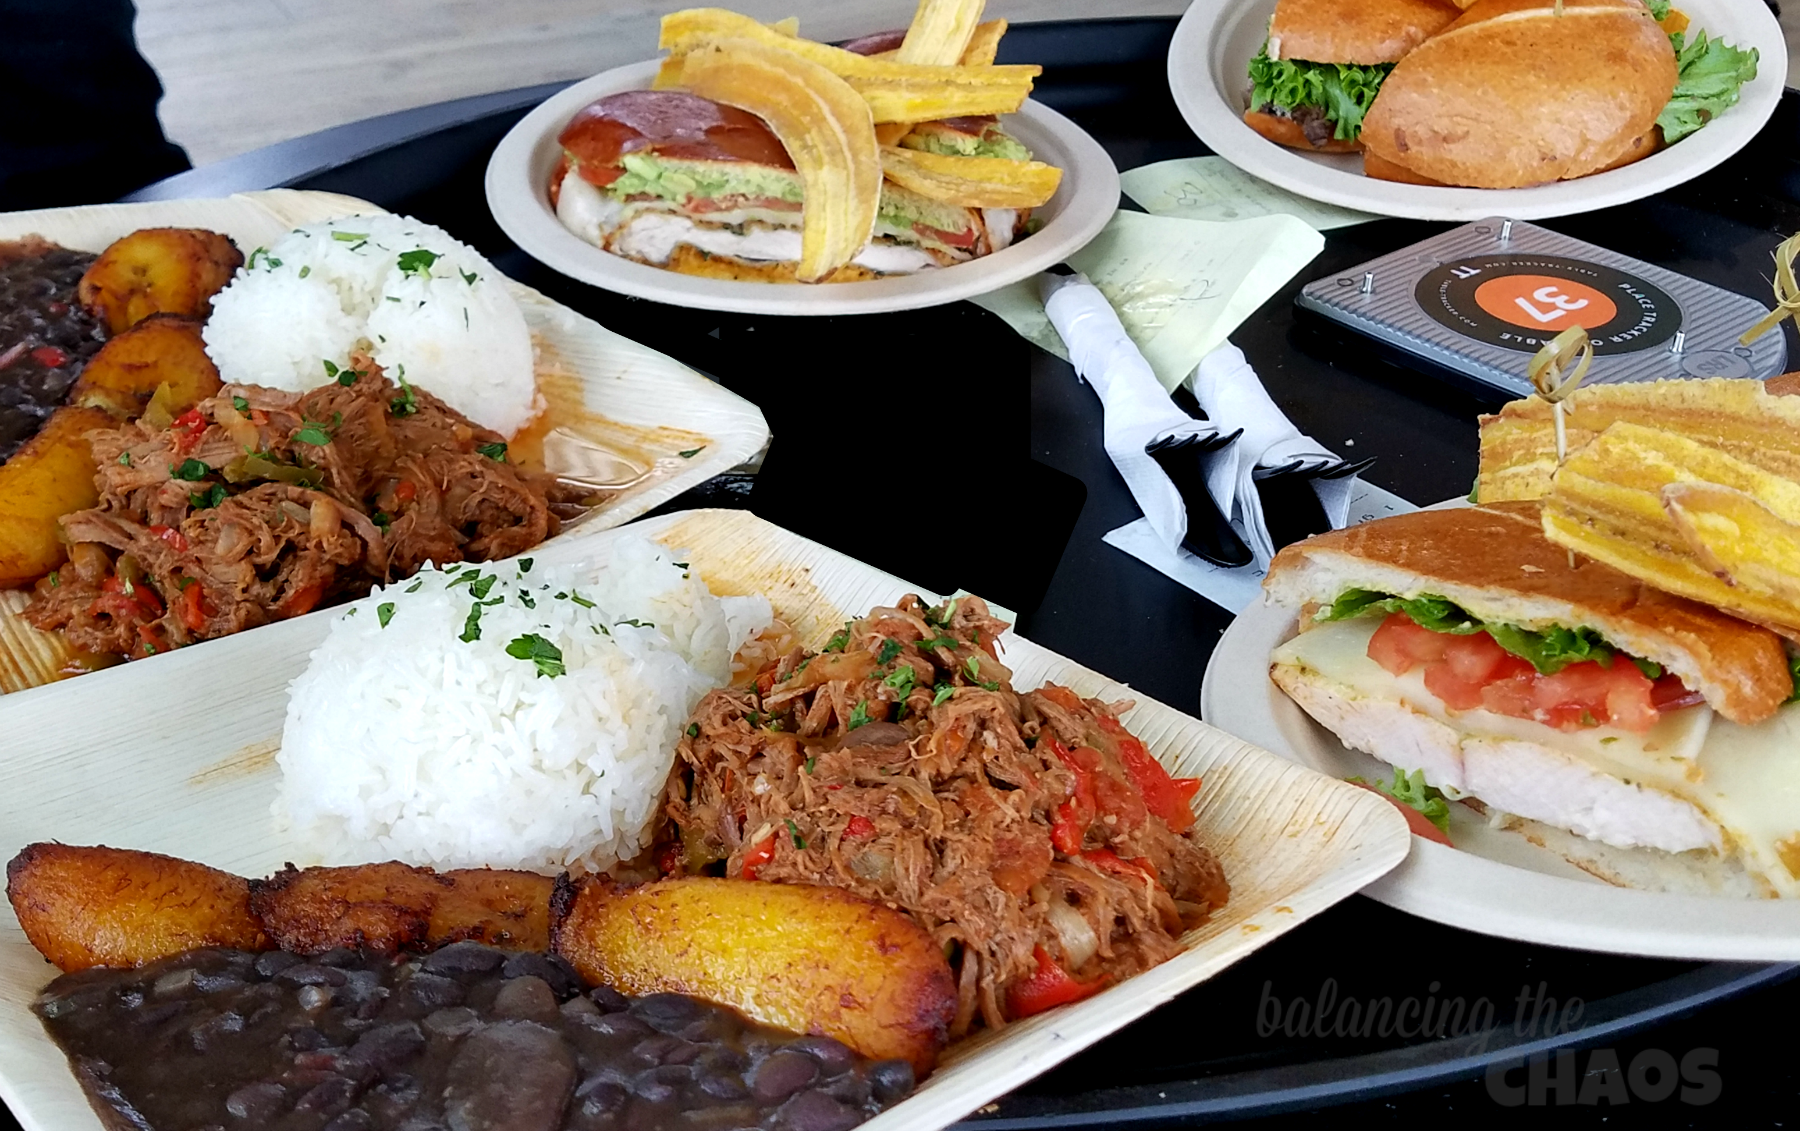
x=192 y=470
x=973 y=667
x=382 y=519
x=211 y=497
x=580 y=600
x=938 y=642
x=495 y=451
x=471 y=575
x=305 y=270
x=901 y=680
x=468 y=277
x=124 y=459
x=404 y=404
x=690 y=453
x=859 y=716
x=314 y=432
x=472 y=626
x=56 y=579
x=349 y=237
x=635 y=623
x=480 y=587
x=693 y=730
x=547 y=656
x=839 y=639
x=794 y=831
x=242 y=406
x=384 y=612
x=527 y=600
x=889 y=649
x=417 y=262
x=524 y=565
x=944 y=691
x=414 y=587
x=810 y=763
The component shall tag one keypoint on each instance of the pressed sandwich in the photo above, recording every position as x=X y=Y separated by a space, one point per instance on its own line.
x=1325 y=61
x=1643 y=735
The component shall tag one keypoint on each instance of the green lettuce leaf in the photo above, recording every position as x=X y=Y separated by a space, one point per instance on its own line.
x=1344 y=92
x=1659 y=9
x=1549 y=651
x=1793 y=674
x=1710 y=73
x=1411 y=790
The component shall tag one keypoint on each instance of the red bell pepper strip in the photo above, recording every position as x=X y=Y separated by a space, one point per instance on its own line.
x=176 y=539
x=760 y=853
x=196 y=610
x=188 y=428
x=1075 y=815
x=1106 y=860
x=126 y=602
x=1048 y=987
x=1163 y=795
x=859 y=828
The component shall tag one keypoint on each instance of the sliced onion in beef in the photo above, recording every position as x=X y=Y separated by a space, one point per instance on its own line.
x=876 y=866
x=325 y=519
x=233 y=541
x=1079 y=942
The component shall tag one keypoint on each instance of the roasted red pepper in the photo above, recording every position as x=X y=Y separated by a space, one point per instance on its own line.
x=188 y=428
x=196 y=610
x=176 y=539
x=125 y=601
x=1074 y=816
x=1106 y=860
x=50 y=357
x=859 y=828
x=1165 y=796
x=405 y=491
x=301 y=600
x=1050 y=986
x=760 y=853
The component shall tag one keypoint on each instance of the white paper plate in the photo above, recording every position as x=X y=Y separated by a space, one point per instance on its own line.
x=644 y=405
x=1494 y=882
x=179 y=758
x=1208 y=74
x=518 y=176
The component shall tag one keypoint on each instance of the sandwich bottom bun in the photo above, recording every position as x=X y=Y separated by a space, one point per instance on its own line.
x=1514 y=94
x=1379 y=167
x=691 y=261
x=1285 y=131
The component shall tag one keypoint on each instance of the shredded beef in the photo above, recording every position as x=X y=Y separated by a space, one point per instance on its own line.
x=260 y=505
x=901 y=764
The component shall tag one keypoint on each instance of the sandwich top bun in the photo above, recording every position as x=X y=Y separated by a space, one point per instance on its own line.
x=1494 y=561
x=1363 y=32
x=1512 y=94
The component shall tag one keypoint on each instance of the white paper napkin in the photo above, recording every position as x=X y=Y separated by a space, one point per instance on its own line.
x=1138 y=413
x=1267 y=445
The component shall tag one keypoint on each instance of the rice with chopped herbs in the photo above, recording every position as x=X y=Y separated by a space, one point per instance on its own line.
x=512 y=715
x=424 y=305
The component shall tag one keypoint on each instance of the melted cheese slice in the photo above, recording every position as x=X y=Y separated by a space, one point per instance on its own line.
x=1745 y=778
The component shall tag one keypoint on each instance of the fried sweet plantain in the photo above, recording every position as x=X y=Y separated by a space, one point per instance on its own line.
x=52 y=475
x=101 y=906
x=158 y=271
x=163 y=349
x=396 y=906
x=807 y=959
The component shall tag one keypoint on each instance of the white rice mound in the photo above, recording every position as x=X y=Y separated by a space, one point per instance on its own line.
x=406 y=742
x=321 y=291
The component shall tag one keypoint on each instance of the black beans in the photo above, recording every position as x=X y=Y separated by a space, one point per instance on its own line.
x=464 y=958
x=470 y=1038
x=783 y=1073
x=52 y=335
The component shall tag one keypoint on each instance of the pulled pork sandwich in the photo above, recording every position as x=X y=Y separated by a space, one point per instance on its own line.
x=257 y=505
x=1325 y=61
x=1036 y=839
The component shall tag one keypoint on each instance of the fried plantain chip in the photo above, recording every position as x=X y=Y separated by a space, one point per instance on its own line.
x=939 y=32
x=101 y=906
x=984 y=44
x=163 y=349
x=971 y=182
x=694 y=28
x=802 y=958
x=1739 y=539
x=1607 y=501
x=926 y=100
x=826 y=129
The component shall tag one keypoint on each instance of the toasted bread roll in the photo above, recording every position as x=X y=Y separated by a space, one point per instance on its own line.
x=101 y=906
x=1283 y=130
x=1332 y=31
x=1514 y=94
x=1382 y=169
x=802 y=958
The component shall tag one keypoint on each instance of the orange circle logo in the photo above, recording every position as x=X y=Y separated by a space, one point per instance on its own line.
x=1545 y=302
